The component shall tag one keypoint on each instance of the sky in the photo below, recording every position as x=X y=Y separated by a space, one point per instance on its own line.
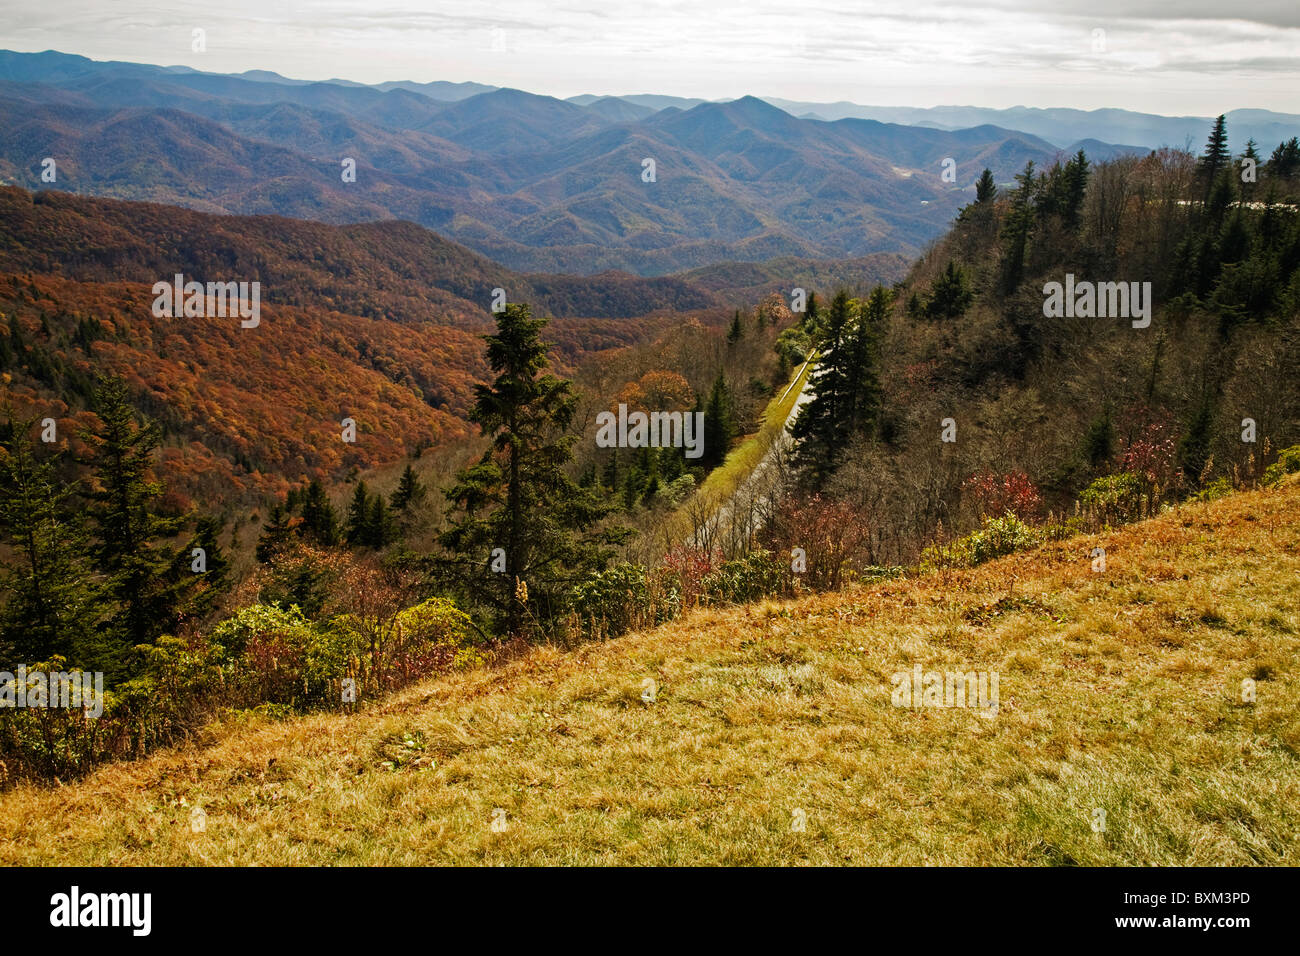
x=1176 y=57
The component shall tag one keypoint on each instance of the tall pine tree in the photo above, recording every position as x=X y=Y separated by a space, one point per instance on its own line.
x=822 y=428
x=49 y=599
x=719 y=424
x=141 y=567
x=519 y=497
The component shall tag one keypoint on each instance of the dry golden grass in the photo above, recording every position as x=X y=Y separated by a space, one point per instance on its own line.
x=1119 y=691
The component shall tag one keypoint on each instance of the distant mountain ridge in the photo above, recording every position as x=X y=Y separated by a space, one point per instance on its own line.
x=536 y=183
x=645 y=184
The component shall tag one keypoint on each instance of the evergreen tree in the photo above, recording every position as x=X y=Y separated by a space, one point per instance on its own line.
x=1255 y=162
x=358 y=521
x=1016 y=229
x=862 y=373
x=379 y=529
x=949 y=297
x=609 y=478
x=1284 y=163
x=142 y=572
x=214 y=580
x=719 y=424
x=1217 y=156
x=49 y=600
x=518 y=496
x=19 y=343
x=275 y=534
x=319 y=519
x=986 y=190
x=409 y=491
x=1075 y=188
x=822 y=429
x=1099 y=441
x=812 y=316
x=1194 y=449
x=735 y=333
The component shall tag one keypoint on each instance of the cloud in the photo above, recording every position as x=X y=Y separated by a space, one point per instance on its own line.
x=989 y=52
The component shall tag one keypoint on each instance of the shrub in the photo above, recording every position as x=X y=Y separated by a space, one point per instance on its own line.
x=998 y=537
x=1002 y=536
x=832 y=534
x=439 y=631
x=265 y=658
x=684 y=569
x=1214 y=490
x=996 y=494
x=1288 y=463
x=1114 y=499
x=623 y=598
x=757 y=575
x=263 y=650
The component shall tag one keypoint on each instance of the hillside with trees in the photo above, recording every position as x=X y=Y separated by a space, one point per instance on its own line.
x=950 y=420
x=985 y=404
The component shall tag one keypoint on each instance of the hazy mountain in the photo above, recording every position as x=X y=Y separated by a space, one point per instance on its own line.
x=438 y=89
x=1065 y=126
x=534 y=182
x=741 y=284
x=512 y=121
x=1098 y=151
x=617 y=110
x=651 y=101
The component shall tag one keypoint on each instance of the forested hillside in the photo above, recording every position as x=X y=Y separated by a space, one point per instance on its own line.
x=976 y=401
x=394 y=270
x=974 y=410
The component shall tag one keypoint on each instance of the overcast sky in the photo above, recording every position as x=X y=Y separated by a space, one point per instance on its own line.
x=1198 y=57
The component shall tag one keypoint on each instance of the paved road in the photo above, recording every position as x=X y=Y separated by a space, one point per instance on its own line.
x=741 y=516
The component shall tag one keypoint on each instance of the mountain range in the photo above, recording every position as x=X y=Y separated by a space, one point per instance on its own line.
x=536 y=183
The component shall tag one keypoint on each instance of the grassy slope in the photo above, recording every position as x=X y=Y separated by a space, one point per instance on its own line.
x=1118 y=690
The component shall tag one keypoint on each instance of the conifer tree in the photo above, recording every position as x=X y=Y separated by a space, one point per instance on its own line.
x=1194 y=449
x=1015 y=230
x=49 y=598
x=1075 y=187
x=409 y=491
x=211 y=582
x=275 y=534
x=319 y=519
x=141 y=569
x=359 y=513
x=519 y=496
x=862 y=373
x=735 y=333
x=719 y=424
x=1284 y=163
x=821 y=430
x=378 y=523
x=1216 y=157
x=1252 y=159
x=949 y=297
x=1099 y=441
